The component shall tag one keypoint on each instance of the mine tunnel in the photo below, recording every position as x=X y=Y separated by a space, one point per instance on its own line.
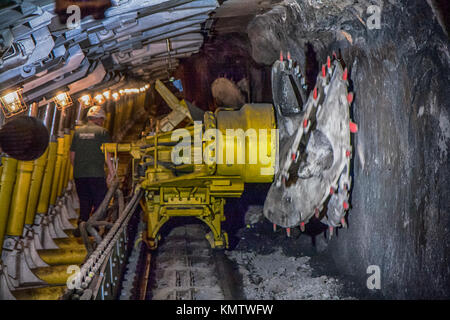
x=224 y=150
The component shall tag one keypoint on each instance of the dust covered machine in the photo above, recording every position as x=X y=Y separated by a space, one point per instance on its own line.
x=302 y=145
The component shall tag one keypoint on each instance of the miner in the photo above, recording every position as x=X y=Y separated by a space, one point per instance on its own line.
x=88 y=162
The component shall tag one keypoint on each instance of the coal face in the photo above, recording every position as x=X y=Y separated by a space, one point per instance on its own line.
x=400 y=214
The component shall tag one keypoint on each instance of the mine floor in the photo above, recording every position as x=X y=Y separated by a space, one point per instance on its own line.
x=275 y=267
x=185 y=268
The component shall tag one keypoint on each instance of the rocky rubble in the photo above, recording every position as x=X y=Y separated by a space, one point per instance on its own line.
x=277 y=277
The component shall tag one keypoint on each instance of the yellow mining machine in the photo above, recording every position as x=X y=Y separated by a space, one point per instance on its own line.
x=193 y=176
x=302 y=145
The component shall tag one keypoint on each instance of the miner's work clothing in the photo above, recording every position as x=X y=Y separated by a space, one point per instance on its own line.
x=89 y=159
x=91 y=192
x=89 y=167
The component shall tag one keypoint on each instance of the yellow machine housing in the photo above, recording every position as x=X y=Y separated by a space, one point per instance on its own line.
x=198 y=186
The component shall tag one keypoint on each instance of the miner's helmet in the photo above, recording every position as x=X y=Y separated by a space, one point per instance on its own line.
x=24 y=138
x=96 y=112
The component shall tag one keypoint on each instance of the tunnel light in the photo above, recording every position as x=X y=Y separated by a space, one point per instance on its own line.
x=131 y=91
x=12 y=103
x=107 y=94
x=62 y=100
x=116 y=96
x=147 y=86
x=99 y=98
x=121 y=92
x=85 y=100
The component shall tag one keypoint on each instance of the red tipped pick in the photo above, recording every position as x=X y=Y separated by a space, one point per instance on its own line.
x=345 y=76
x=305 y=123
x=331 y=190
x=288 y=232
x=353 y=127
x=324 y=71
x=293 y=156
x=350 y=97
x=274 y=227
x=348 y=153
x=281 y=56
x=289 y=56
x=302 y=227
x=315 y=93
x=329 y=62
x=345 y=205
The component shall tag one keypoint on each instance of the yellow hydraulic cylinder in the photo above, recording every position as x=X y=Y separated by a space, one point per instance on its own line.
x=108 y=120
x=120 y=110
x=129 y=109
x=119 y=107
x=6 y=187
x=75 y=255
x=116 y=147
x=71 y=172
x=43 y=293
x=1 y=167
x=18 y=208
x=64 y=165
x=57 y=174
x=36 y=184
x=67 y=243
x=68 y=163
x=44 y=195
x=54 y=275
x=117 y=111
